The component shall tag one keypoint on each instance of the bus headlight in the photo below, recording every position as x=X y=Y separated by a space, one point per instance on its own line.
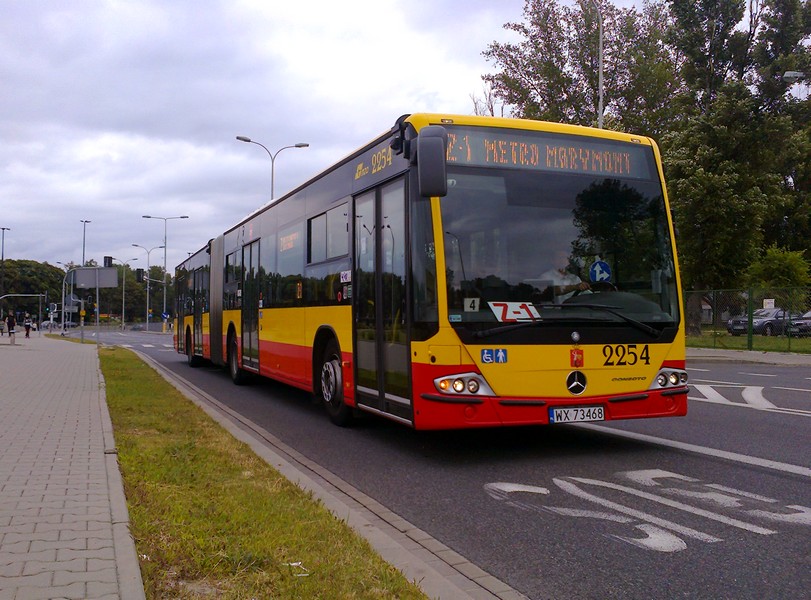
x=471 y=384
x=669 y=378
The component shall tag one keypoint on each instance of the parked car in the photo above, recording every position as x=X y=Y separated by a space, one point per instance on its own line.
x=801 y=326
x=765 y=321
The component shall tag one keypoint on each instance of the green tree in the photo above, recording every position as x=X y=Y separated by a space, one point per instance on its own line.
x=721 y=175
x=645 y=72
x=31 y=277
x=706 y=34
x=783 y=275
x=705 y=79
x=780 y=268
x=552 y=74
x=779 y=47
x=737 y=164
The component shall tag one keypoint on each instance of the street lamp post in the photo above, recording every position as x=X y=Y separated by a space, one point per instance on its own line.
x=84 y=223
x=148 y=252
x=3 y=260
x=272 y=156
x=600 y=65
x=124 y=265
x=67 y=268
x=165 y=219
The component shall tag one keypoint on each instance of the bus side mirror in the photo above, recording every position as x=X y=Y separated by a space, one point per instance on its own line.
x=432 y=144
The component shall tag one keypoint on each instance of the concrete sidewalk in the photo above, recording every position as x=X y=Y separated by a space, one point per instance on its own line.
x=64 y=525
x=748 y=356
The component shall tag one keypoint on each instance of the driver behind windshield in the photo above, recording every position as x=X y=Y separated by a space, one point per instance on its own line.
x=564 y=283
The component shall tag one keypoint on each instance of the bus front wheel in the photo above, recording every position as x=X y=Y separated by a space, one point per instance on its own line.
x=332 y=387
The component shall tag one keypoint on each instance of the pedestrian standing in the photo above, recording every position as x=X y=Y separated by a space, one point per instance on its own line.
x=11 y=323
x=2 y=325
x=27 y=324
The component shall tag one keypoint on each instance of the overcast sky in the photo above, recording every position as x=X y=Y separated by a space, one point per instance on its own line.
x=114 y=109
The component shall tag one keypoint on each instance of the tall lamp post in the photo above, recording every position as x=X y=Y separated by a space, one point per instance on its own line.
x=272 y=156
x=124 y=265
x=84 y=223
x=164 y=219
x=3 y=260
x=148 y=252
x=600 y=65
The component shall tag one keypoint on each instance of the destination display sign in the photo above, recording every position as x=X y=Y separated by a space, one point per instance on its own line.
x=543 y=151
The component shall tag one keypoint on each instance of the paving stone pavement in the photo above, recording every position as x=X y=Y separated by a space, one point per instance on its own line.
x=64 y=526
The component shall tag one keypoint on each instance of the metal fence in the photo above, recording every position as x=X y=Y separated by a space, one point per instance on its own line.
x=748 y=319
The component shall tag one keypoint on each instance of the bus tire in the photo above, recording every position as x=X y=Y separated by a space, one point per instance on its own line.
x=191 y=359
x=331 y=388
x=238 y=376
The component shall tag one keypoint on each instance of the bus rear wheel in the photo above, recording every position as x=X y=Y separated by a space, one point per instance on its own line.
x=238 y=376
x=191 y=359
x=332 y=387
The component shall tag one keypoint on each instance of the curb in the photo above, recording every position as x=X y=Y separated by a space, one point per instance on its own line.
x=130 y=583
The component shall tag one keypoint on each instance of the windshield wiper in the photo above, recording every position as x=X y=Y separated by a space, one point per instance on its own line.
x=614 y=310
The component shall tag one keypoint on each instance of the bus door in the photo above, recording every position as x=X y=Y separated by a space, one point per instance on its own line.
x=381 y=337
x=198 y=293
x=250 y=306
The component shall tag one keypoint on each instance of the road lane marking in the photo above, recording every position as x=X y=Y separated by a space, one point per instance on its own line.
x=788 y=389
x=572 y=489
x=750 y=495
x=731 y=456
x=754 y=397
x=710 y=394
x=786 y=411
x=657 y=539
x=677 y=505
x=660 y=534
x=759 y=374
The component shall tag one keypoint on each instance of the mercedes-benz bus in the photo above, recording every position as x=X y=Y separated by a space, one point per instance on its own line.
x=456 y=272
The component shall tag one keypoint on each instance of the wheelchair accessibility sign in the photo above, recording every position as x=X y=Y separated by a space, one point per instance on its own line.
x=494 y=356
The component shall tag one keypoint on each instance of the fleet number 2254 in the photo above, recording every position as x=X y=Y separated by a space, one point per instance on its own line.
x=625 y=355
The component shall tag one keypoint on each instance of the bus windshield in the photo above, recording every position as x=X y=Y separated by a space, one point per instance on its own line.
x=533 y=250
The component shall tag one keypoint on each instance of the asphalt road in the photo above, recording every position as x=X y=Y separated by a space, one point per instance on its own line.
x=713 y=505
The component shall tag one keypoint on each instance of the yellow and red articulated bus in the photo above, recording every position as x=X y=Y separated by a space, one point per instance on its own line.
x=456 y=272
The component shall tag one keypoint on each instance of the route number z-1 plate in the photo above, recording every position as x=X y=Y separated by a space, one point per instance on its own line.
x=576 y=414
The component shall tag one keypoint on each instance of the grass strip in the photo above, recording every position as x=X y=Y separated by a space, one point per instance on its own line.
x=722 y=340
x=212 y=519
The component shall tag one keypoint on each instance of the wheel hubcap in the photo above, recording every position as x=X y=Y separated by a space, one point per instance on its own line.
x=328 y=379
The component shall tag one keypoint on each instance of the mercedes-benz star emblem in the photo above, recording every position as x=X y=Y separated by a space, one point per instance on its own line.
x=576 y=383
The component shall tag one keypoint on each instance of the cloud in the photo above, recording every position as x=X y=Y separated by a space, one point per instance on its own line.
x=111 y=110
